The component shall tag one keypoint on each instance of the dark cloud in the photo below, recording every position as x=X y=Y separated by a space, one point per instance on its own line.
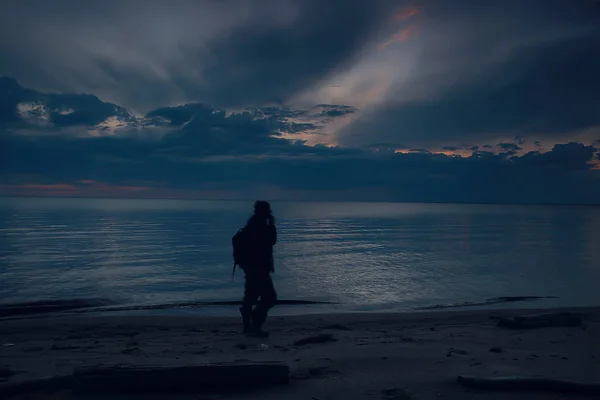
x=386 y=145
x=561 y=175
x=221 y=86
x=230 y=53
x=573 y=156
x=334 y=110
x=206 y=148
x=548 y=90
x=43 y=112
x=177 y=116
x=253 y=65
x=509 y=146
x=478 y=69
x=21 y=106
x=189 y=132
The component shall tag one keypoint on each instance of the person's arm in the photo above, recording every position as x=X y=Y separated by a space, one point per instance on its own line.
x=273 y=234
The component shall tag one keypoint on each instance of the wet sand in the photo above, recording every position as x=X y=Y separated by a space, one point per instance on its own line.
x=370 y=356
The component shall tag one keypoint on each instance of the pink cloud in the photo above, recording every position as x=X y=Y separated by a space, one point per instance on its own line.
x=80 y=188
x=91 y=188
x=406 y=13
x=53 y=187
x=401 y=36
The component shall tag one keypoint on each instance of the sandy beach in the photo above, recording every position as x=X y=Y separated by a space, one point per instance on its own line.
x=369 y=356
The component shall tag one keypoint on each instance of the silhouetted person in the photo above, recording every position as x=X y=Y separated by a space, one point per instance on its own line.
x=259 y=291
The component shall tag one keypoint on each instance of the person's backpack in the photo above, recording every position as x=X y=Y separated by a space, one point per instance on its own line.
x=241 y=249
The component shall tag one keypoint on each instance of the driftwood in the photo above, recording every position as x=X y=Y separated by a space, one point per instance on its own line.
x=488 y=302
x=47 y=384
x=192 y=304
x=77 y=306
x=6 y=372
x=514 y=383
x=183 y=378
x=324 y=338
x=156 y=379
x=49 y=306
x=540 y=321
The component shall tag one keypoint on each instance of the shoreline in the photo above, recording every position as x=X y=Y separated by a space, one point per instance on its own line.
x=420 y=352
x=103 y=306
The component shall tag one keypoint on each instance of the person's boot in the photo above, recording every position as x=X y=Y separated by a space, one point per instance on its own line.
x=257 y=332
x=256 y=325
x=246 y=319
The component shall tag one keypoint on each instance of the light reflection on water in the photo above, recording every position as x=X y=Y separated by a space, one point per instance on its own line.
x=366 y=256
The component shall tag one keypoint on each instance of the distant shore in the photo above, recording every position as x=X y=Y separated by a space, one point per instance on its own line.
x=363 y=355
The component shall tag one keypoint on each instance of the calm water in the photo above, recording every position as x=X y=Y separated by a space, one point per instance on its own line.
x=364 y=256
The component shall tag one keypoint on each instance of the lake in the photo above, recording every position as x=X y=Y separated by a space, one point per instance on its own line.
x=361 y=256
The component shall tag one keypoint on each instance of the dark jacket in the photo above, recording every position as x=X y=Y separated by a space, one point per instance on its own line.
x=263 y=236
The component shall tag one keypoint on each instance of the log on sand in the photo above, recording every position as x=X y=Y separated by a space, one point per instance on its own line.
x=519 y=383
x=144 y=379
x=182 y=378
x=541 y=321
x=45 y=385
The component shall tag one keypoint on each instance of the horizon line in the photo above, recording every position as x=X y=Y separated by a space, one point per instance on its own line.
x=305 y=201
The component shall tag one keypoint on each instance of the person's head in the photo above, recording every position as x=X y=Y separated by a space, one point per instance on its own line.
x=262 y=209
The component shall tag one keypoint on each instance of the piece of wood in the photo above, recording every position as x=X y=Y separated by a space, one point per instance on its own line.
x=540 y=321
x=516 y=383
x=49 y=306
x=47 y=384
x=181 y=378
x=324 y=338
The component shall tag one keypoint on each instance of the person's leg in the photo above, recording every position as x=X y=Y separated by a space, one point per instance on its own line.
x=268 y=299
x=251 y=294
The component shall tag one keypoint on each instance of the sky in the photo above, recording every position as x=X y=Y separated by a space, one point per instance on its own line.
x=379 y=100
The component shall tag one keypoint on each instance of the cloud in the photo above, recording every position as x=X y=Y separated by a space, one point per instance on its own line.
x=406 y=12
x=206 y=152
x=36 y=113
x=401 y=36
x=228 y=53
x=335 y=110
x=192 y=133
x=509 y=146
x=544 y=92
x=51 y=187
x=573 y=156
x=401 y=177
x=24 y=107
x=389 y=99
x=475 y=72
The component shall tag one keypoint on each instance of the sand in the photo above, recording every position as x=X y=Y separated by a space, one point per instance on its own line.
x=373 y=356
